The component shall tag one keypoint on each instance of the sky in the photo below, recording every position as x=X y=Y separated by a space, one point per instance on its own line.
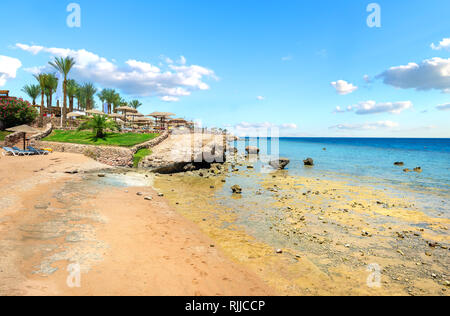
x=304 y=68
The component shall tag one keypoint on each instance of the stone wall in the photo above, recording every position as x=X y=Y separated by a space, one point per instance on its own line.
x=13 y=139
x=47 y=131
x=151 y=143
x=112 y=156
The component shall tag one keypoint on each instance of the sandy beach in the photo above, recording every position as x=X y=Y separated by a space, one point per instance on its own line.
x=126 y=241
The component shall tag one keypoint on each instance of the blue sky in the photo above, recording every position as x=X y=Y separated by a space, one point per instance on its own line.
x=249 y=64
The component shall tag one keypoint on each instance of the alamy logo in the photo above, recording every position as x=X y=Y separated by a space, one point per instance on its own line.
x=74 y=18
x=374 y=18
x=374 y=278
x=74 y=277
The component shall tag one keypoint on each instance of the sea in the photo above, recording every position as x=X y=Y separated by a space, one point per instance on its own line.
x=370 y=161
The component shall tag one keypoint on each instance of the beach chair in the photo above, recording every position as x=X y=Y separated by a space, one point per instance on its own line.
x=10 y=151
x=24 y=152
x=37 y=151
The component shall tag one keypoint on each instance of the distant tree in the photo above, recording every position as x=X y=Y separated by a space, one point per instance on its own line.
x=72 y=89
x=33 y=91
x=89 y=92
x=108 y=96
x=50 y=88
x=42 y=79
x=63 y=65
x=135 y=104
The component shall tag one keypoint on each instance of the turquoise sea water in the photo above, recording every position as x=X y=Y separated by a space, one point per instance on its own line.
x=371 y=161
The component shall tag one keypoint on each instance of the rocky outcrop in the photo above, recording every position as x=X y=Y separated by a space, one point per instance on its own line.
x=252 y=150
x=308 y=162
x=280 y=163
x=186 y=152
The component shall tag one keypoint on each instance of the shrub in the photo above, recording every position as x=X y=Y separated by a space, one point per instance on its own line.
x=15 y=112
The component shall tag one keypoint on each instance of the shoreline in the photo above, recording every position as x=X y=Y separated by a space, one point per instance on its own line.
x=329 y=232
x=125 y=245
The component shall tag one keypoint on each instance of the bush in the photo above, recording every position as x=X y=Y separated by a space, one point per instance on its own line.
x=15 y=112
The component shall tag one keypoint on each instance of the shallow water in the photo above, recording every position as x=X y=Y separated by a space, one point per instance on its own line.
x=370 y=161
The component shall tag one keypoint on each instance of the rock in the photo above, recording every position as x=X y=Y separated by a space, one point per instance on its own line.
x=160 y=194
x=233 y=150
x=252 y=150
x=406 y=170
x=212 y=187
x=42 y=206
x=308 y=162
x=71 y=171
x=148 y=198
x=280 y=163
x=236 y=189
x=101 y=175
x=418 y=169
x=279 y=251
x=399 y=163
x=139 y=193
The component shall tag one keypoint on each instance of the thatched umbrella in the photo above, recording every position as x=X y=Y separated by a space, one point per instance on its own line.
x=162 y=116
x=24 y=129
x=97 y=112
x=178 y=122
x=74 y=114
x=125 y=109
x=115 y=116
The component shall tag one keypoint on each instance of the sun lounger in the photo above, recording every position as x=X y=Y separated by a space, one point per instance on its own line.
x=25 y=152
x=37 y=151
x=10 y=151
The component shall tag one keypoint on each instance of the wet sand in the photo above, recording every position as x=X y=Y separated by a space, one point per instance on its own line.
x=333 y=235
x=123 y=243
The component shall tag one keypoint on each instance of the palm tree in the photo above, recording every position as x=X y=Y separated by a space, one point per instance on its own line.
x=135 y=104
x=51 y=84
x=33 y=91
x=118 y=101
x=89 y=92
x=63 y=65
x=72 y=89
x=98 y=124
x=42 y=79
x=107 y=95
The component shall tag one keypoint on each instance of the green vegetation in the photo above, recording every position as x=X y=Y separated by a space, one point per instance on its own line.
x=140 y=154
x=3 y=134
x=110 y=139
x=99 y=124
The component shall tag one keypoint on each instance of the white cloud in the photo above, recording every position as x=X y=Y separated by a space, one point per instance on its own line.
x=260 y=98
x=8 y=68
x=367 y=79
x=444 y=44
x=371 y=107
x=430 y=74
x=343 y=87
x=366 y=126
x=443 y=107
x=166 y=98
x=287 y=58
x=135 y=77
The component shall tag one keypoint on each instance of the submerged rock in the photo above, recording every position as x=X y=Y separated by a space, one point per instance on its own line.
x=308 y=162
x=399 y=163
x=418 y=169
x=236 y=189
x=280 y=163
x=252 y=150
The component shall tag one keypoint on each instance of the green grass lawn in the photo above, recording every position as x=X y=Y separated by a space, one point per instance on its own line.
x=140 y=154
x=3 y=134
x=87 y=138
